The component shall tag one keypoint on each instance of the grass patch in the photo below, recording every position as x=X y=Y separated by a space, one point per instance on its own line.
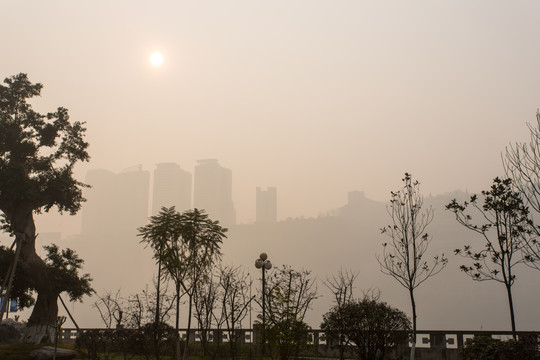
x=21 y=351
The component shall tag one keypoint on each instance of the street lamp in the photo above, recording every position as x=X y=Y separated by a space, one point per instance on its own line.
x=263 y=263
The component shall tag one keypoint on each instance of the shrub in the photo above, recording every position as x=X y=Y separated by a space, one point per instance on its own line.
x=105 y=344
x=487 y=348
x=373 y=327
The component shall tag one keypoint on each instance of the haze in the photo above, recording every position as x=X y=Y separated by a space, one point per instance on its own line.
x=315 y=98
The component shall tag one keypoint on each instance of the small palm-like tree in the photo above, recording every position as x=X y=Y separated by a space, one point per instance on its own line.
x=186 y=246
x=163 y=229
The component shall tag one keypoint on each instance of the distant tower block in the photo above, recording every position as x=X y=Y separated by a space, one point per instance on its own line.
x=172 y=187
x=266 y=205
x=117 y=204
x=133 y=190
x=213 y=191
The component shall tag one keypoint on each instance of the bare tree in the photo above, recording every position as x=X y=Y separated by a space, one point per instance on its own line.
x=141 y=308
x=522 y=163
x=341 y=285
x=503 y=224
x=404 y=256
x=110 y=307
x=235 y=301
x=205 y=300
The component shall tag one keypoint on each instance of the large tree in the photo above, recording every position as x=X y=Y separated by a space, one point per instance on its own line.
x=501 y=219
x=404 y=257
x=37 y=156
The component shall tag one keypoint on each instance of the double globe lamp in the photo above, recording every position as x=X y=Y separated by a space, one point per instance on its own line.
x=263 y=263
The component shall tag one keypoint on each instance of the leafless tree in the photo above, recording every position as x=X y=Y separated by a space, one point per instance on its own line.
x=141 y=308
x=206 y=298
x=341 y=285
x=235 y=301
x=404 y=257
x=111 y=308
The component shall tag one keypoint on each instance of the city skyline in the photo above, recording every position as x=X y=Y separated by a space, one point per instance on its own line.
x=308 y=97
x=162 y=191
x=137 y=193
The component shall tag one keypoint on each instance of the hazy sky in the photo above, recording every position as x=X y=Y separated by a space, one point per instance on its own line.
x=314 y=97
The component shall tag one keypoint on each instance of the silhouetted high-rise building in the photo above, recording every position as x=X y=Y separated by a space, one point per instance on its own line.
x=172 y=187
x=213 y=191
x=99 y=208
x=133 y=198
x=266 y=205
x=117 y=204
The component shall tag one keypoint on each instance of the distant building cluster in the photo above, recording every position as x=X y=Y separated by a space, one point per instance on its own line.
x=128 y=193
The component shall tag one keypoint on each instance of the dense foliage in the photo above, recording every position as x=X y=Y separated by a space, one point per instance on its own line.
x=487 y=348
x=373 y=327
x=63 y=267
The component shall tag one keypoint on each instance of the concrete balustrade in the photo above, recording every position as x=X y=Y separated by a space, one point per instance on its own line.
x=430 y=344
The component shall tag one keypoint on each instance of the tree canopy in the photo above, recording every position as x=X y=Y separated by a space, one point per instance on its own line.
x=374 y=327
x=37 y=153
x=502 y=220
x=185 y=245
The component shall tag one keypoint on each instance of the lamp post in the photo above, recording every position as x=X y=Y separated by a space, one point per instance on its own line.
x=263 y=263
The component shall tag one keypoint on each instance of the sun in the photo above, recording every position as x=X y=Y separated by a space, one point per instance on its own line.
x=156 y=59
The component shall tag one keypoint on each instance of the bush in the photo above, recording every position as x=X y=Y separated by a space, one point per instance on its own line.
x=287 y=338
x=105 y=344
x=487 y=348
x=373 y=327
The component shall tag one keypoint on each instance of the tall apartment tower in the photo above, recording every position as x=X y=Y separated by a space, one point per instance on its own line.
x=266 y=205
x=100 y=206
x=172 y=187
x=133 y=198
x=117 y=204
x=213 y=191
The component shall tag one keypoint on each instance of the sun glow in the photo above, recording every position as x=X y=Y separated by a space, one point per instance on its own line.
x=156 y=59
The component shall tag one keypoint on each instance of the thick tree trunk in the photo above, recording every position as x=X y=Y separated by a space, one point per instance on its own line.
x=41 y=325
x=43 y=319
